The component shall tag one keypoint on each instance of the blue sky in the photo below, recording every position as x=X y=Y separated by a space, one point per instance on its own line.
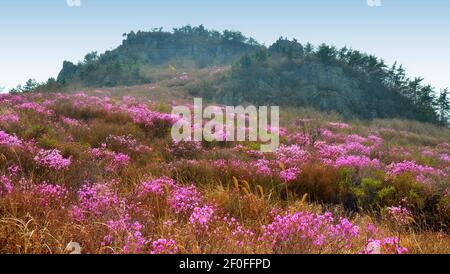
x=37 y=35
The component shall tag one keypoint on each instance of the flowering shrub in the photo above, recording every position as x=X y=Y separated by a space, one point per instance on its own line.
x=263 y=168
x=240 y=237
x=35 y=107
x=328 y=152
x=142 y=115
x=96 y=200
x=9 y=118
x=291 y=155
x=52 y=159
x=183 y=200
x=114 y=160
x=412 y=167
x=70 y=121
x=201 y=218
x=153 y=188
x=445 y=158
x=304 y=232
x=9 y=140
x=156 y=187
x=125 y=233
x=5 y=185
x=300 y=139
x=164 y=246
x=407 y=166
x=48 y=194
x=357 y=162
x=117 y=161
x=14 y=170
x=356 y=148
x=289 y=175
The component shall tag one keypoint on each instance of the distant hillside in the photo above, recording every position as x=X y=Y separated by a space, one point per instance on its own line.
x=287 y=73
x=186 y=47
x=346 y=81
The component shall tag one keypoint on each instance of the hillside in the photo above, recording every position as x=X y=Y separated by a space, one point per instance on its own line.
x=346 y=81
x=132 y=62
x=288 y=73
x=100 y=169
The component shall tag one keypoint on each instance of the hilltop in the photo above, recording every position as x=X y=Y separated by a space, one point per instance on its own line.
x=132 y=62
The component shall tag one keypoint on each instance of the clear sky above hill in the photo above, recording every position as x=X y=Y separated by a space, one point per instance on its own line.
x=37 y=35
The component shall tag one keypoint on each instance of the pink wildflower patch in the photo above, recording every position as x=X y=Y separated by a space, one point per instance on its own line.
x=263 y=168
x=155 y=187
x=52 y=159
x=164 y=246
x=184 y=199
x=289 y=174
x=356 y=162
x=126 y=233
x=48 y=194
x=412 y=167
x=71 y=122
x=291 y=155
x=6 y=185
x=94 y=200
x=201 y=218
x=35 y=107
x=9 y=140
x=9 y=118
x=303 y=232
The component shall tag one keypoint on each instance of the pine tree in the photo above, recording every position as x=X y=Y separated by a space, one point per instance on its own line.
x=412 y=92
x=443 y=104
x=30 y=85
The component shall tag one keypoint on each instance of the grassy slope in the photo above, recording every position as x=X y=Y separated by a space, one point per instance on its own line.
x=33 y=220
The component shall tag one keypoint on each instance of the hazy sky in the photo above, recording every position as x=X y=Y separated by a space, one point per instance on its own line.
x=37 y=35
